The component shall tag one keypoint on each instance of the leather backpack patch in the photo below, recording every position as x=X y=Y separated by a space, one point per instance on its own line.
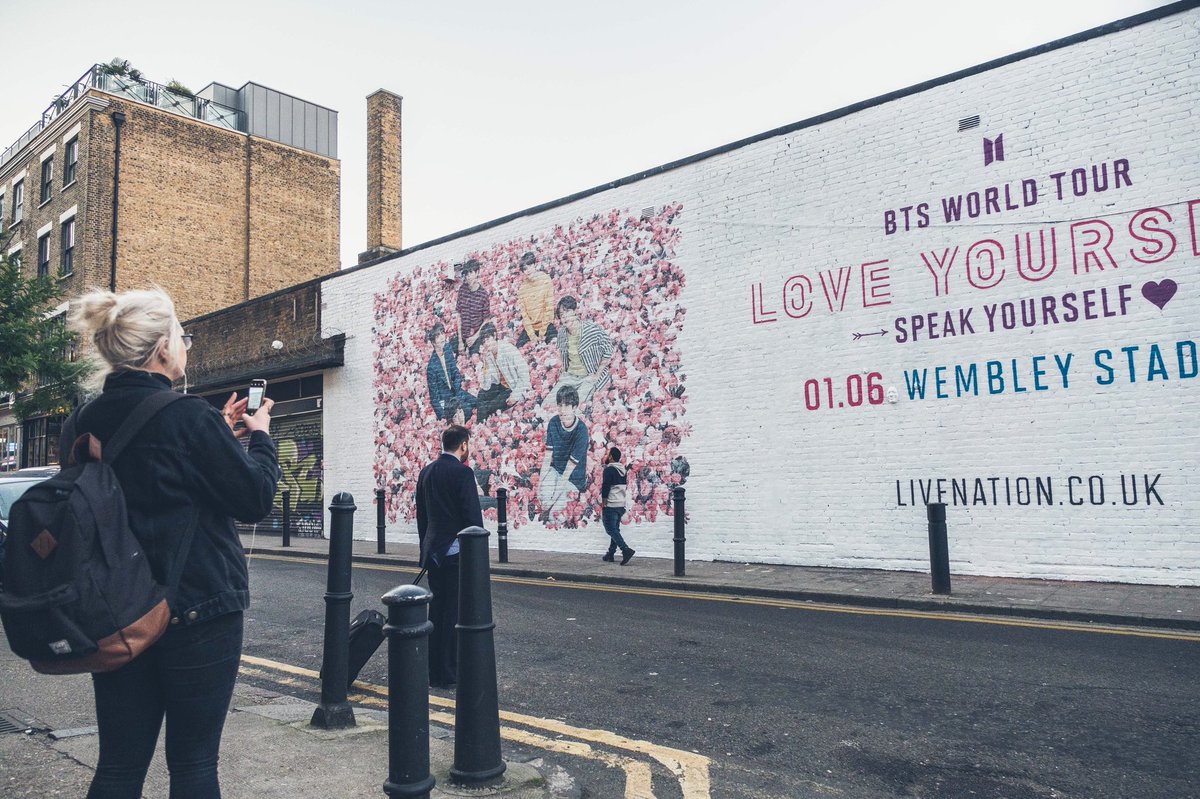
x=43 y=544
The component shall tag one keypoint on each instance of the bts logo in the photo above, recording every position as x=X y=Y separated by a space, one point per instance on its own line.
x=993 y=150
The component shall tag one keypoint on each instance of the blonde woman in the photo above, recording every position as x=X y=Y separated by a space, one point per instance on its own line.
x=185 y=476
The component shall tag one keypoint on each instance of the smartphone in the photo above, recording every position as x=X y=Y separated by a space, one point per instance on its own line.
x=258 y=390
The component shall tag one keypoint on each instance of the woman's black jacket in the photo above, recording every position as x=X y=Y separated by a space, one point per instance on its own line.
x=185 y=468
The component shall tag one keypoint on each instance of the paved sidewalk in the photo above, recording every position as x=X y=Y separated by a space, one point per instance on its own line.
x=1104 y=603
x=268 y=751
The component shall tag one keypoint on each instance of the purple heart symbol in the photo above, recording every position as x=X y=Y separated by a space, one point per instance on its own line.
x=1160 y=293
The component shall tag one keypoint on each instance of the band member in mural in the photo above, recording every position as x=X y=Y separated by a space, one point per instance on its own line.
x=565 y=464
x=584 y=350
x=443 y=377
x=447 y=502
x=535 y=300
x=505 y=378
x=474 y=308
x=613 y=493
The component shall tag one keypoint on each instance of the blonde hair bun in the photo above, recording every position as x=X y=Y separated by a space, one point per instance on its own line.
x=125 y=329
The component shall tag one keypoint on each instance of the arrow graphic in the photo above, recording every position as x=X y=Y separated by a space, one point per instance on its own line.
x=857 y=336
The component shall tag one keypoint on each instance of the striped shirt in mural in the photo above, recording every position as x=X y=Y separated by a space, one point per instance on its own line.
x=473 y=308
x=595 y=348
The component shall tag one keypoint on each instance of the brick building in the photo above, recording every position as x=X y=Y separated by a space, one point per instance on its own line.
x=218 y=197
x=280 y=337
x=978 y=291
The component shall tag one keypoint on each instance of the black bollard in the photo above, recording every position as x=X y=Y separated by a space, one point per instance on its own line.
x=477 y=706
x=502 y=523
x=939 y=549
x=407 y=630
x=287 y=517
x=335 y=712
x=380 y=521
x=680 y=521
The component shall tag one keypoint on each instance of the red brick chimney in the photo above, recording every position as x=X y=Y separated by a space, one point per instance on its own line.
x=383 y=175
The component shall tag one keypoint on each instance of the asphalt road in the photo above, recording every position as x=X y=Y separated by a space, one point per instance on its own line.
x=790 y=702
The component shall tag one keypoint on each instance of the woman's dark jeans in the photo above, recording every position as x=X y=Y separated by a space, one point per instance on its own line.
x=188 y=677
x=612 y=525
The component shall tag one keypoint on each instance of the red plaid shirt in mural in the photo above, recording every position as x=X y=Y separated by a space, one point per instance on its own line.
x=473 y=307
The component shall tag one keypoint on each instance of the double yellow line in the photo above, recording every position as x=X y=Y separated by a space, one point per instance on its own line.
x=690 y=769
x=796 y=604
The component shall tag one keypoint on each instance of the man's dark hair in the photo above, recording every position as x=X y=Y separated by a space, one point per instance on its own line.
x=437 y=328
x=528 y=259
x=454 y=436
x=614 y=454
x=487 y=331
x=566 y=304
x=470 y=266
x=567 y=395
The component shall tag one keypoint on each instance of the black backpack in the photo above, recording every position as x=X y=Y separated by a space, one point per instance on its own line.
x=78 y=592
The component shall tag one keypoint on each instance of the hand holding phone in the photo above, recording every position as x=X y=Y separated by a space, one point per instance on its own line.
x=258 y=390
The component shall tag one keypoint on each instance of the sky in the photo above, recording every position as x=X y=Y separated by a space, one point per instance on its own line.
x=512 y=104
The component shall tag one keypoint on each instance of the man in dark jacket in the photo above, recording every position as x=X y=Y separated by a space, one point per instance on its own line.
x=447 y=503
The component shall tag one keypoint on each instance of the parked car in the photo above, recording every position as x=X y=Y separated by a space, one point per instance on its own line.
x=12 y=486
x=33 y=471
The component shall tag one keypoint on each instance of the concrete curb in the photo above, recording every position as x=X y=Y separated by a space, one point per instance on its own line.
x=916 y=603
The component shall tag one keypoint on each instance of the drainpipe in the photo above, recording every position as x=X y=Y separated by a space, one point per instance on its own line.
x=118 y=119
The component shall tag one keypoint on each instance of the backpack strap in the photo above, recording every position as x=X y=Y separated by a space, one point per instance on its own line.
x=142 y=413
x=66 y=439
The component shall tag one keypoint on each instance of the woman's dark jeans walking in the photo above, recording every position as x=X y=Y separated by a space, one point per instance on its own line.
x=186 y=677
x=612 y=525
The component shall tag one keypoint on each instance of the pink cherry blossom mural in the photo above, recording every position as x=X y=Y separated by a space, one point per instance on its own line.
x=549 y=348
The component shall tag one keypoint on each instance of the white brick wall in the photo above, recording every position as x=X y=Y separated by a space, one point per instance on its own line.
x=774 y=482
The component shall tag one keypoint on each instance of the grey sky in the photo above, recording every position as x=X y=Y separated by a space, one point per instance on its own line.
x=511 y=104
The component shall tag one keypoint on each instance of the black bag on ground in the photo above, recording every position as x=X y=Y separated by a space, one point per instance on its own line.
x=78 y=592
x=366 y=634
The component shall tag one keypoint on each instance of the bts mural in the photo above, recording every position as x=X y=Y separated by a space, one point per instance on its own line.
x=549 y=348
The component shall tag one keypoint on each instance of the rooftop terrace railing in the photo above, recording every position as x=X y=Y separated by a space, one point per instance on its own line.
x=140 y=90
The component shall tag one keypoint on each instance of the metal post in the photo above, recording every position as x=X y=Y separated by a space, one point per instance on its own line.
x=477 y=708
x=287 y=517
x=380 y=520
x=407 y=630
x=502 y=523
x=939 y=549
x=680 y=521
x=335 y=712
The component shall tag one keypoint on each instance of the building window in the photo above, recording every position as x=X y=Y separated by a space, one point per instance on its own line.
x=70 y=161
x=1 y=213
x=40 y=441
x=15 y=255
x=18 y=201
x=67 y=261
x=44 y=255
x=8 y=442
x=47 y=180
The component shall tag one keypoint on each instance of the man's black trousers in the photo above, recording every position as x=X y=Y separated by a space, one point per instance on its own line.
x=443 y=612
